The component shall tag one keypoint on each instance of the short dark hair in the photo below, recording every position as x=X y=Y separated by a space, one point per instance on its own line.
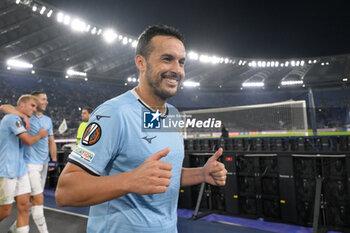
x=36 y=93
x=144 y=48
x=88 y=109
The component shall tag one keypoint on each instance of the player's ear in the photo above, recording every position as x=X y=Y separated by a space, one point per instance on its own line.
x=140 y=62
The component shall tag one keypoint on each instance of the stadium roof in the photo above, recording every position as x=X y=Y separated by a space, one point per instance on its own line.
x=52 y=42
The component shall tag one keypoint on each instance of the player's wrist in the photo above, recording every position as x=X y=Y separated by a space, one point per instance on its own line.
x=127 y=183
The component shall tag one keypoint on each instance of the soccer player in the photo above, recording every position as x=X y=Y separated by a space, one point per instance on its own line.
x=14 y=180
x=37 y=158
x=132 y=177
x=85 y=115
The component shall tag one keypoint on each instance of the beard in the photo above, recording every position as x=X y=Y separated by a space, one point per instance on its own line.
x=155 y=82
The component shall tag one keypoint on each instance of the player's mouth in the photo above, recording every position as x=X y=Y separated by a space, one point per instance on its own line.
x=172 y=81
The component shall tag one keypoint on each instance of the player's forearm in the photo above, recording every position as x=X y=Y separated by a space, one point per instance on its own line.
x=9 y=109
x=83 y=189
x=192 y=176
x=53 y=150
x=31 y=139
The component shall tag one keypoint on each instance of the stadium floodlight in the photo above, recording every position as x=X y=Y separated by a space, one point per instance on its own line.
x=302 y=63
x=19 y=64
x=292 y=63
x=253 y=84
x=204 y=58
x=322 y=64
x=134 y=44
x=214 y=59
x=18 y=1
x=87 y=29
x=78 y=25
x=129 y=79
x=86 y=79
x=66 y=19
x=240 y=62
x=60 y=17
x=33 y=71
x=268 y=64
x=345 y=79
x=130 y=40
x=125 y=40
x=315 y=61
x=226 y=60
x=9 y=67
x=49 y=13
x=244 y=62
x=309 y=61
x=93 y=31
x=191 y=84
x=99 y=32
x=71 y=72
x=292 y=82
x=109 y=35
x=282 y=65
x=134 y=80
x=43 y=8
x=276 y=63
x=193 y=55
x=327 y=63
x=297 y=63
x=34 y=8
x=259 y=64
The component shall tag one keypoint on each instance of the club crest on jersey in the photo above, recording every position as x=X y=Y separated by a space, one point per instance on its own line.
x=18 y=124
x=92 y=134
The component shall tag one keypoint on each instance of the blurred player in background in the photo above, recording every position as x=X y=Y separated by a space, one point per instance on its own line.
x=37 y=158
x=14 y=179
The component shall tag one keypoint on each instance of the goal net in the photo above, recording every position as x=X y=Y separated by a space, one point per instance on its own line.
x=282 y=117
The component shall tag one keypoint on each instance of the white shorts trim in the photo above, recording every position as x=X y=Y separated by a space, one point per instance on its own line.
x=37 y=176
x=13 y=187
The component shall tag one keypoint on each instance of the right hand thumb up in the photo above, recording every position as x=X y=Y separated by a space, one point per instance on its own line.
x=160 y=154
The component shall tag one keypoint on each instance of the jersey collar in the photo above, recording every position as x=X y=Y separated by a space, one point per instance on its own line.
x=164 y=115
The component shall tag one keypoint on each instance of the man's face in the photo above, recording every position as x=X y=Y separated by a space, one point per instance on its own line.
x=165 y=66
x=85 y=115
x=29 y=107
x=42 y=102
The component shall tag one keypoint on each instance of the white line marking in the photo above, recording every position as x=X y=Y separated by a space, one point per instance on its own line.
x=66 y=212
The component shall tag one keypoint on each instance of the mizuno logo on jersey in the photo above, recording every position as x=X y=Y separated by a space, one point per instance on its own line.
x=98 y=117
x=92 y=134
x=149 y=140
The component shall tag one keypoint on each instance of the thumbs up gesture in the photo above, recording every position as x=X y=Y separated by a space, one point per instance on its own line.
x=214 y=172
x=152 y=176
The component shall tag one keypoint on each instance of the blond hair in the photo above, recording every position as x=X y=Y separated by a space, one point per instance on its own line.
x=26 y=97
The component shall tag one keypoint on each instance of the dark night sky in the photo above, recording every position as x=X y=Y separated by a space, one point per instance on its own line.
x=251 y=29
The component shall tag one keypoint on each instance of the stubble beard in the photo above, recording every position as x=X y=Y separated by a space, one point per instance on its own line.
x=155 y=83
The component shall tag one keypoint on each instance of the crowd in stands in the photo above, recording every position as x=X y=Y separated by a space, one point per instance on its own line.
x=67 y=98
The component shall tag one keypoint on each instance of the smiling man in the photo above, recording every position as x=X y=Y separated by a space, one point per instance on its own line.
x=132 y=177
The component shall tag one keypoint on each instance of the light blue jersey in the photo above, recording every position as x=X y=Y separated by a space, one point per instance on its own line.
x=38 y=153
x=115 y=142
x=12 y=163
